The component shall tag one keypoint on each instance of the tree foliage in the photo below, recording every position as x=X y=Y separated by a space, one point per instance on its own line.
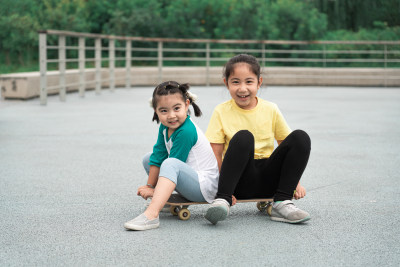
x=355 y=15
x=223 y=19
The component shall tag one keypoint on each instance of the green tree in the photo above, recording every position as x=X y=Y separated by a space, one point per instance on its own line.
x=354 y=15
x=239 y=19
x=135 y=18
x=98 y=13
x=223 y=19
x=291 y=20
x=67 y=15
x=18 y=37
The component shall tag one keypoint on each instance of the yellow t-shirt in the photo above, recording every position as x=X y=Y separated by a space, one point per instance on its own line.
x=265 y=122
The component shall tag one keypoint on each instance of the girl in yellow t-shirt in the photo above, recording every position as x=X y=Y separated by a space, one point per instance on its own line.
x=242 y=132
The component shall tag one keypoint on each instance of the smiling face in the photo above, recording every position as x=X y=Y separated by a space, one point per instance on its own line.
x=243 y=85
x=172 y=110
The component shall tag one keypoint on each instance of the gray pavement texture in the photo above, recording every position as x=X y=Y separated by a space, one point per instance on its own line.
x=69 y=174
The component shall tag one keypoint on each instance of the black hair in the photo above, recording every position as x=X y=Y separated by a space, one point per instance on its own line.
x=170 y=88
x=242 y=58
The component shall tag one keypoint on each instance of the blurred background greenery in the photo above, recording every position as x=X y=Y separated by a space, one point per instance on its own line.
x=206 y=19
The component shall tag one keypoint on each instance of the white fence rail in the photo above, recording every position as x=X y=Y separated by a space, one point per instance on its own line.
x=55 y=48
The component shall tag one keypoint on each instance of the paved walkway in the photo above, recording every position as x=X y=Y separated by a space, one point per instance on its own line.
x=69 y=173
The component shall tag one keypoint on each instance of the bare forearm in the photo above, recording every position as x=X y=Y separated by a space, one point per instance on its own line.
x=218 y=150
x=153 y=175
x=219 y=161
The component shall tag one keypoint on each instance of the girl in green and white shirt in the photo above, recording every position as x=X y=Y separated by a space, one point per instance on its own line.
x=182 y=158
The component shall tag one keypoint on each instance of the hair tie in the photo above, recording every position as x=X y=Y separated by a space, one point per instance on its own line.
x=193 y=97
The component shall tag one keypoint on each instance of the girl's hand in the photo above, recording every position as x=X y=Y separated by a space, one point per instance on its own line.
x=300 y=192
x=142 y=187
x=145 y=192
x=233 y=200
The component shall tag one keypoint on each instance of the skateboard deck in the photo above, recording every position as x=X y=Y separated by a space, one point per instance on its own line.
x=179 y=205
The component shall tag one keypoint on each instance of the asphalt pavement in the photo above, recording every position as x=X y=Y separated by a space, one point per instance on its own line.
x=69 y=173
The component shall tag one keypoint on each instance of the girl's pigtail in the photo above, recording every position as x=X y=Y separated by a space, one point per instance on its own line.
x=192 y=98
x=153 y=104
x=197 y=111
x=155 y=117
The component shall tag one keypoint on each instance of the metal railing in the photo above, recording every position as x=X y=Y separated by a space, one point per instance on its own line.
x=88 y=50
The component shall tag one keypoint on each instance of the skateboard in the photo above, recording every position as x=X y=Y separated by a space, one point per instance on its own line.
x=179 y=205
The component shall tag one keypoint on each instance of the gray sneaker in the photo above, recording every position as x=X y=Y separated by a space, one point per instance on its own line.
x=286 y=211
x=141 y=223
x=218 y=211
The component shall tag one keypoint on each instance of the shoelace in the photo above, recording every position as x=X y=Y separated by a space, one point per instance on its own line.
x=292 y=207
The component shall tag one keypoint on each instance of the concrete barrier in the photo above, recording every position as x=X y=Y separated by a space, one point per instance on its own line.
x=27 y=85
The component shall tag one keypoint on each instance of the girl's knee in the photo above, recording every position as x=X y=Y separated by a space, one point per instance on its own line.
x=146 y=161
x=170 y=162
x=302 y=139
x=242 y=139
x=170 y=169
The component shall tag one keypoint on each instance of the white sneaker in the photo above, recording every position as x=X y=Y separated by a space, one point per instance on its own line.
x=218 y=211
x=286 y=211
x=141 y=223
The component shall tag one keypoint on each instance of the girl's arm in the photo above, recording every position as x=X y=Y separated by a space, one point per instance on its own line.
x=159 y=154
x=218 y=150
x=147 y=191
x=153 y=176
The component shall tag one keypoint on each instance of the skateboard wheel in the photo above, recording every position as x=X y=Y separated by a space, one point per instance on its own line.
x=261 y=206
x=269 y=209
x=184 y=214
x=174 y=210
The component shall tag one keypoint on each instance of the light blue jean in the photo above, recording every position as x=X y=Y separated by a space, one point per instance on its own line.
x=181 y=174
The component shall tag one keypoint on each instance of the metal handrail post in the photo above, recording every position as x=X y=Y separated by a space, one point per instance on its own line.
x=208 y=64
x=61 y=66
x=111 y=63
x=263 y=54
x=98 y=65
x=43 y=67
x=160 y=62
x=385 y=48
x=324 y=55
x=128 y=63
x=81 y=66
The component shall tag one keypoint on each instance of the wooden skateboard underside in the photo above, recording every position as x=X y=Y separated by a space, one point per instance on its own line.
x=179 y=205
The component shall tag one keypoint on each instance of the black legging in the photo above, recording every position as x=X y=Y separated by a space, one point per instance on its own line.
x=277 y=176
